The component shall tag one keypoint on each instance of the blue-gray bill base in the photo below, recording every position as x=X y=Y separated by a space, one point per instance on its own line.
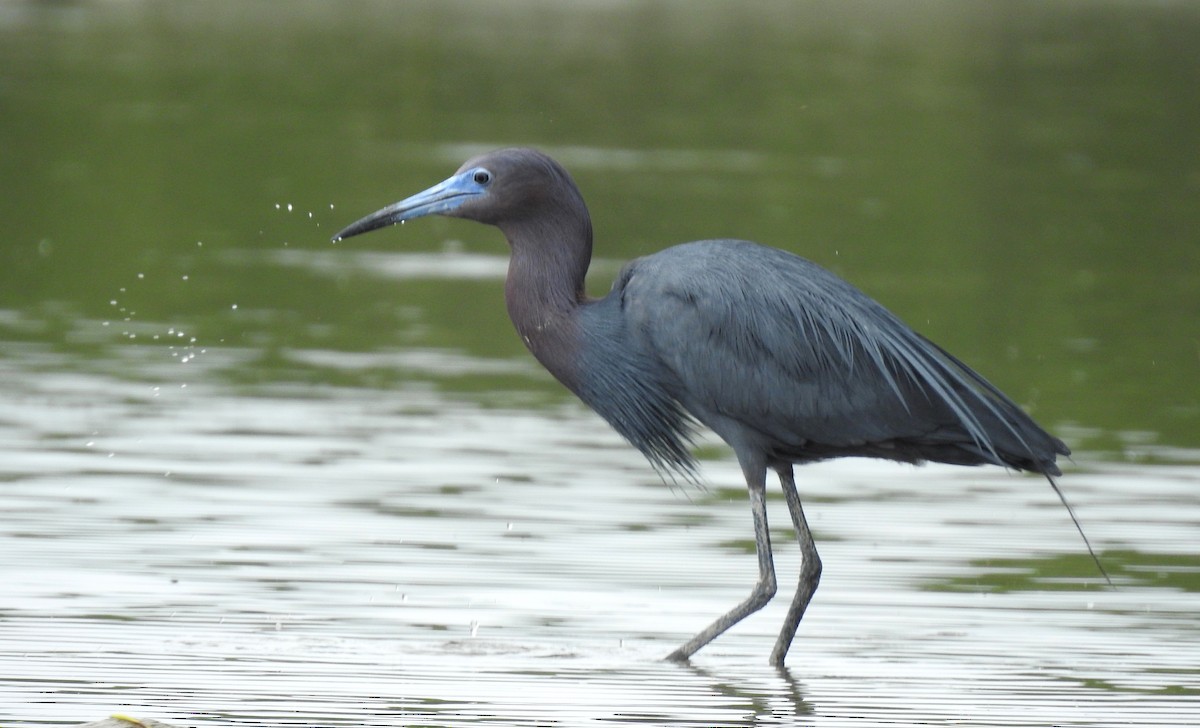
x=783 y=360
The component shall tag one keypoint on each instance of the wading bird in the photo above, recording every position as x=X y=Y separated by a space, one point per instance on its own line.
x=786 y=362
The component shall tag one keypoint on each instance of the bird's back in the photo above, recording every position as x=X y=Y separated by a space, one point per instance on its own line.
x=776 y=352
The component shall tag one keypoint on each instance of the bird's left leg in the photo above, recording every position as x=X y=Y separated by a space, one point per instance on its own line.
x=810 y=567
x=764 y=589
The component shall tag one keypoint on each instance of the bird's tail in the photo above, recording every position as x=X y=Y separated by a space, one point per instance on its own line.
x=999 y=429
x=1088 y=544
x=1002 y=432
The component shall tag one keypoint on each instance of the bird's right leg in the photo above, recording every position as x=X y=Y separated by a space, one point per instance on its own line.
x=756 y=479
x=810 y=568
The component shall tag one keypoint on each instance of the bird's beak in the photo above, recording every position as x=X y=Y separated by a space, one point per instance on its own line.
x=437 y=200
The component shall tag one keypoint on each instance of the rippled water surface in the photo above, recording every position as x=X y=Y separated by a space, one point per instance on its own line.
x=251 y=478
x=338 y=557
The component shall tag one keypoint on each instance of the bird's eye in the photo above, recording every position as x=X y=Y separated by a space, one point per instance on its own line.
x=482 y=177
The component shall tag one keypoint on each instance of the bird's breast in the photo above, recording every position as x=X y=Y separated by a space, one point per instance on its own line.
x=554 y=341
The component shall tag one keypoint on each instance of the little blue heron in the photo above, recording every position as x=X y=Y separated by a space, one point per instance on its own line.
x=783 y=360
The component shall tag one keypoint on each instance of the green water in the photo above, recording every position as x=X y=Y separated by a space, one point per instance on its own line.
x=1019 y=181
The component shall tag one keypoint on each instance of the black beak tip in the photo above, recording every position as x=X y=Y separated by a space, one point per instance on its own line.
x=371 y=222
x=349 y=232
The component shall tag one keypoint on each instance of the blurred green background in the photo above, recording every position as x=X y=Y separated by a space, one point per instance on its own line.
x=1019 y=181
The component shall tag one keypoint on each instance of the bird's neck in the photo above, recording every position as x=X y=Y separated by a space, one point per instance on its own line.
x=545 y=288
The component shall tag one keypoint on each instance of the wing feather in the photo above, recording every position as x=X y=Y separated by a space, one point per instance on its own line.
x=814 y=366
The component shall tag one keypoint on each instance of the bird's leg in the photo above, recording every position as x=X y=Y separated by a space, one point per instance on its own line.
x=764 y=589
x=810 y=568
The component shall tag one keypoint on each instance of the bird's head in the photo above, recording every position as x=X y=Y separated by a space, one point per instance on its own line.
x=503 y=188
